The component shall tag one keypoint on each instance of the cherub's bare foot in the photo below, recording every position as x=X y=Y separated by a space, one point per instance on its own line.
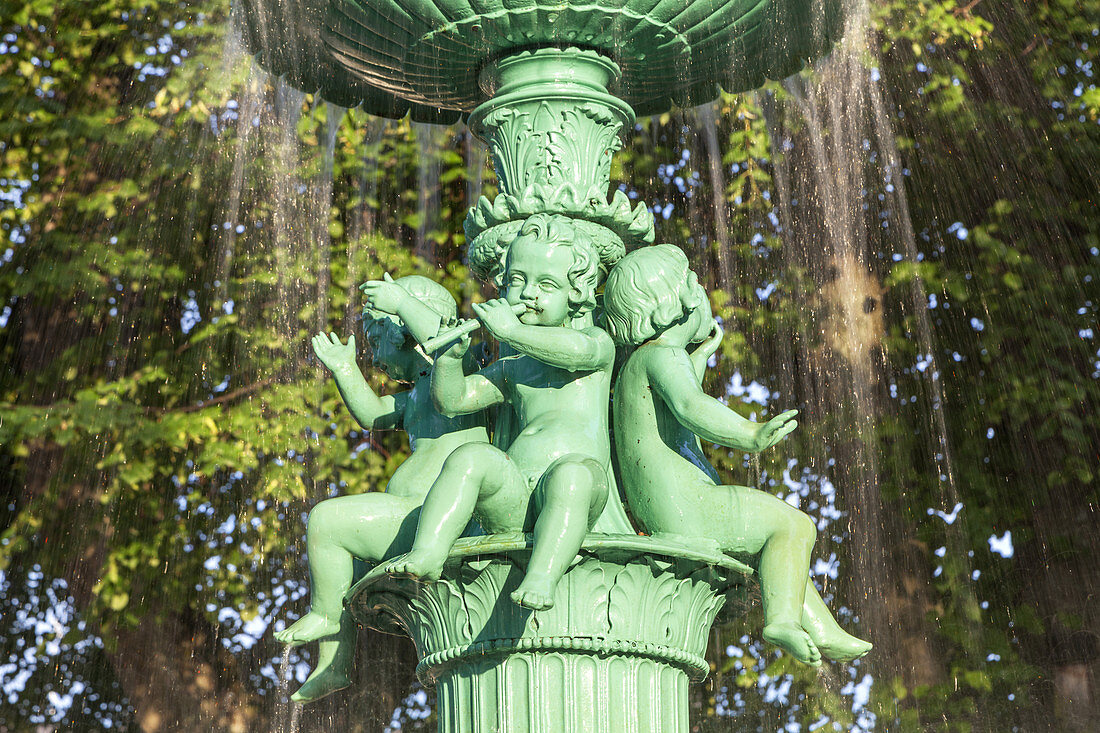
x=311 y=627
x=422 y=564
x=535 y=594
x=793 y=639
x=840 y=646
x=322 y=682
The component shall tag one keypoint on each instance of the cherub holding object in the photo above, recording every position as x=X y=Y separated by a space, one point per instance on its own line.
x=555 y=472
x=376 y=526
x=655 y=305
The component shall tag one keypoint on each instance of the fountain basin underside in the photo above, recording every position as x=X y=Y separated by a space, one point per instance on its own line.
x=424 y=56
x=617 y=651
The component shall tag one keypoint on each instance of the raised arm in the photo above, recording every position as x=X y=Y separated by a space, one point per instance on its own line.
x=700 y=357
x=673 y=377
x=389 y=297
x=559 y=346
x=455 y=393
x=368 y=409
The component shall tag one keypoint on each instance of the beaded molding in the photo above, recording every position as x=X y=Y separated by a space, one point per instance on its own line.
x=430 y=667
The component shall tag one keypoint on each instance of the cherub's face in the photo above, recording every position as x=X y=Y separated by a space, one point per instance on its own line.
x=392 y=348
x=537 y=275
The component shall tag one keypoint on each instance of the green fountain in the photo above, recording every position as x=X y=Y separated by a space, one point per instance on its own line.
x=560 y=568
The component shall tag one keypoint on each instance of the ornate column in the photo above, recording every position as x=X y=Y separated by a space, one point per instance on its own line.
x=616 y=652
x=631 y=618
x=550 y=87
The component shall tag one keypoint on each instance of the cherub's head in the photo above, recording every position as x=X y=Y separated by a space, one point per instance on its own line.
x=651 y=290
x=552 y=266
x=393 y=348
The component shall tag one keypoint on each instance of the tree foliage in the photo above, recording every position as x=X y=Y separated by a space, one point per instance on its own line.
x=177 y=225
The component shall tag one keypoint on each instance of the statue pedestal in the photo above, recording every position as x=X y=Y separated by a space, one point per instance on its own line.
x=616 y=652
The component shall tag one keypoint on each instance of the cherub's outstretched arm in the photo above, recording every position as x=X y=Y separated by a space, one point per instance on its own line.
x=674 y=378
x=456 y=393
x=368 y=409
x=559 y=346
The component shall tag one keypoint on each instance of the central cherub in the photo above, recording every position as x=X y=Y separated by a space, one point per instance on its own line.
x=555 y=374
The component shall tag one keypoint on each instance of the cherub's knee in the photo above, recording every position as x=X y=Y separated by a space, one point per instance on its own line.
x=572 y=480
x=470 y=457
x=322 y=517
x=802 y=526
x=324 y=511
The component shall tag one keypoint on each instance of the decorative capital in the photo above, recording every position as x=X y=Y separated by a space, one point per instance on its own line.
x=625 y=595
x=552 y=128
x=553 y=144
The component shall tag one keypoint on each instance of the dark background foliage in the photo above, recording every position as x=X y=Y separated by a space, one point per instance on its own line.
x=904 y=244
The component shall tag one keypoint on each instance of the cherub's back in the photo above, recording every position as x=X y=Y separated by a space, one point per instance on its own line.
x=662 y=467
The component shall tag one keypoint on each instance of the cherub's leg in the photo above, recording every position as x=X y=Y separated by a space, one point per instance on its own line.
x=369 y=526
x=783 y=537
x=571 y=495
x=473 y=473
x=834 y=642
x=334 y=660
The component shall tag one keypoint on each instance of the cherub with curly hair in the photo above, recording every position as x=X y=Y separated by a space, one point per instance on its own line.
x=556 y=375
x=375 y=526
x=655 y=306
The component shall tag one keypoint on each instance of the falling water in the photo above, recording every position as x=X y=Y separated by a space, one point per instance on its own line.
x=427 y=188
x=835 y=218
x=477 y=157
x=322 y=201
x=363 y=219
x=707 y=123
x=835 y=149
x=824 y=130
x=845 y=308
x=288 y=713
x=247 y=110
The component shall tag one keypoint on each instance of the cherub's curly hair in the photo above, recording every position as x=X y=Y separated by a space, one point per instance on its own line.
x=642 y=294
x=488 y=250
x=587 y=271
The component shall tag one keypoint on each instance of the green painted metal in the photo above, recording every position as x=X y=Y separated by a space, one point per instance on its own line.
x=376 y=526
x=552 y=128
x=546 y=493
x=552 y=472
x=656 y=308
x=287 y=37
x=562 y=617
x=616 y=653
x=424 y=56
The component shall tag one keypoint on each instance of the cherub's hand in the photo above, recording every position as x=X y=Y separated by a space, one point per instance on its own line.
x=774 y=430
x=334 y=354
x=457 y=350
x=385 y=295
x=714 y=340
x=498 y=318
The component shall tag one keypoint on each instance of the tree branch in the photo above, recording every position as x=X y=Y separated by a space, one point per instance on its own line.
x=228 y=396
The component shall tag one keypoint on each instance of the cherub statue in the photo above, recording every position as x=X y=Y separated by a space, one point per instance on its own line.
x=556 y=376
x=376 y=526
x=655 y=305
